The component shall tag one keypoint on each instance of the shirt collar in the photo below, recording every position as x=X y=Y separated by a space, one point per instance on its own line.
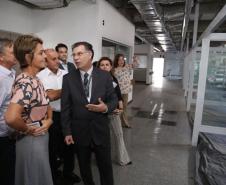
x=89 y=71
x=6 y=72
x=49 y=72
x=62 y=63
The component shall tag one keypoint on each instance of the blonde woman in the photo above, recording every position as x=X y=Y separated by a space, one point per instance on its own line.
x=30 y=114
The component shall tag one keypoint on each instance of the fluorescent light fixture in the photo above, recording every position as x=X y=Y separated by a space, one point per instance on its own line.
x=157 y=49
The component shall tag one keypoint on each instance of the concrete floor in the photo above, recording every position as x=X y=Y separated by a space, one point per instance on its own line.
x=159 y=142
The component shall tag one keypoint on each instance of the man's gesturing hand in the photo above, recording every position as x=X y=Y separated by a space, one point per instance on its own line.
x=101 y=107
x=69 y=140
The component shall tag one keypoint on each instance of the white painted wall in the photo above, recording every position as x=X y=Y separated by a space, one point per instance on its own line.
x=142 y=49
x=15 y=17
x=71 y=24
x=116 y=26
x=80 y=21
x=145 y=49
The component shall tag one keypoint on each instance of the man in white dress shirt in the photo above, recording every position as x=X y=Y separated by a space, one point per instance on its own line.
x=7 y=144
x=51 y=78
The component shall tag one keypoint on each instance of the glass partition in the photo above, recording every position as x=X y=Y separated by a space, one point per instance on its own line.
x=196 y=62
x=193 y=82
x=210 y=110
x=111 y=48
x=214 y=110
x=193 y=74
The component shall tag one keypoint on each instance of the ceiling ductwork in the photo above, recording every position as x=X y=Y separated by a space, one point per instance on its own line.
x=48 y=4
x=151 y=14
x=188 y=7
x=169 y=14
x=169 y=1
x=174 y=16
x=91 y=1
x=44 y=4
x=163 y=22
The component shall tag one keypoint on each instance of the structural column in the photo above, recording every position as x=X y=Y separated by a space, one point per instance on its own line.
x=149 y=64
x=196 y=20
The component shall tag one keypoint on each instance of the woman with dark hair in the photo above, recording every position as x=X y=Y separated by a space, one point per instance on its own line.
x=122 y=156
x=30 y=114
x=122 y=73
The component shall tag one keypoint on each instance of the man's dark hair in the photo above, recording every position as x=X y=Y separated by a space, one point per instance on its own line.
x=87 y=46
x=60 y=45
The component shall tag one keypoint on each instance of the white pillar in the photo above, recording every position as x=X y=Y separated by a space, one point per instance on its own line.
x=149 y=64
x=196 y=21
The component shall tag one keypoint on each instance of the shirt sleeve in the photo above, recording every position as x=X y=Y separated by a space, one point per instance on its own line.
x=43 y=78
x=22 y=93
x=3 y=91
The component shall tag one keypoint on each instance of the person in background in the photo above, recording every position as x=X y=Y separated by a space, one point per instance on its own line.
x=62 y=51
x=84 y=113
x=52 y=77
x=30 y=114
x=122 y=156
x=122 y=74
x=135 y=62
x=7 y=143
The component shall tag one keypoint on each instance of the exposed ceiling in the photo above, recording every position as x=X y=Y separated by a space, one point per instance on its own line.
x=160 y=22
x=164 y=23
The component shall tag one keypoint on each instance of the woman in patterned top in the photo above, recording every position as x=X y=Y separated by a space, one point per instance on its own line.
x=30 y=114
x=122 y=73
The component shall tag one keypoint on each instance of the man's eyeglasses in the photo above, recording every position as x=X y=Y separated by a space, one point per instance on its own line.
x=79 y=54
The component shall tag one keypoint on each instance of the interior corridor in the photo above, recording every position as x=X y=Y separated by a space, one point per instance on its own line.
x=159 y=142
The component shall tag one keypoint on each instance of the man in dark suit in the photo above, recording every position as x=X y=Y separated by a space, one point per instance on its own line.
x=87 y=96
x=62 y=51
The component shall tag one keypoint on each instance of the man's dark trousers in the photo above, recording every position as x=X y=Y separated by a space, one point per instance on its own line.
x=58 y=149
x=7 y=161
x=104 y=164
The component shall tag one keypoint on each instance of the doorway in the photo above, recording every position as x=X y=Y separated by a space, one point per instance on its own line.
x=158 y=66
x=111 y=48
